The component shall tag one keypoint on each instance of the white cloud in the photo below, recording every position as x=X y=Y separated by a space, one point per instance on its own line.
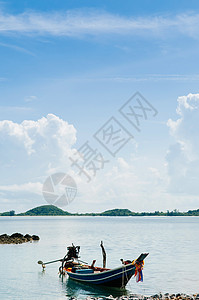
x=17 y=48
x=31 y=98
x=45 y=135
x=14 y=108
x=30 y=187
x=131 y=183
x=122 y=163
x=32 y=150
x=153 y=77
x=89 y=22
x=17 y=132
x=29 y=152
x=183 y=155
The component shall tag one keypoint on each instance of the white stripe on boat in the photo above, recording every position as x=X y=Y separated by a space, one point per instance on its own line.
x=100 y=279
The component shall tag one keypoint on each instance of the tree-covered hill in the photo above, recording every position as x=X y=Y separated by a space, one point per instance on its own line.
x=45 y=210
x=117 y=212
x=193 y=212
x=51 y=210
x=8 y=213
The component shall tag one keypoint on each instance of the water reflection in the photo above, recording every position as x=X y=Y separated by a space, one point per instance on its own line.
x=74 y=289
x=41 y=273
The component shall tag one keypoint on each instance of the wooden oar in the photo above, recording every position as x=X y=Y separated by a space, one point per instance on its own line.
x=40 y=262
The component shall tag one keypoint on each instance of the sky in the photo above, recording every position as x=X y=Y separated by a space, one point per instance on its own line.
x=105 y=92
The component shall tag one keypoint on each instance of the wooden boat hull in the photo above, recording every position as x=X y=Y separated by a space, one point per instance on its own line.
x=117 y=277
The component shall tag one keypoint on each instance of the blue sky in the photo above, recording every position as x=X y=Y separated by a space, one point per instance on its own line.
x=76 y=63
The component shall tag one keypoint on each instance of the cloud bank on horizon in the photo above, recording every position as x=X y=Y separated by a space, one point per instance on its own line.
x=35 y=149
x=183 y=155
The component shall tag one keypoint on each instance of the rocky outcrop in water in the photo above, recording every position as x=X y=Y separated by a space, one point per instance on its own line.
x=17 y=238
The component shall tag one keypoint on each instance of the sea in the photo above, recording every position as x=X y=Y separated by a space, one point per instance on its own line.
x=172 y=264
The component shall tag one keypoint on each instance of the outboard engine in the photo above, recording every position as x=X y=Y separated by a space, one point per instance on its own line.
x=68 y=260
x=73 y=252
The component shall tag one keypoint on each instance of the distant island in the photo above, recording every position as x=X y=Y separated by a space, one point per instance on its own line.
x=51 y=210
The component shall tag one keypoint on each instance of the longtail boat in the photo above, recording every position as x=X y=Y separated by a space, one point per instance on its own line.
x=117 y=277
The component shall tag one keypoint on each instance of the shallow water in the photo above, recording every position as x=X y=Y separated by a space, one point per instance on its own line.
x=172 y=265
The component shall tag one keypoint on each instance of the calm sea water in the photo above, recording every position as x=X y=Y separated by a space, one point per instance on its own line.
x=172 y=265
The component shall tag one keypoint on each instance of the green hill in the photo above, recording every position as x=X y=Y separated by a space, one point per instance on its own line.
x=51 y=210
x=8 y=213
x=45 y=210
x=193 y=212
x=117 y=212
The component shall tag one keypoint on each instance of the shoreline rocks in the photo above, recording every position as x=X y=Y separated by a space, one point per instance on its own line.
x=17 y=238
x=166 y=296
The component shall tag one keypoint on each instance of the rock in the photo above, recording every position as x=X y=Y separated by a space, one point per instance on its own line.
x=3 y=236
x=142 y=297
x=16 y=235
x=17 y=238
x=28 y=237
x=35 y=237
x=134 y=297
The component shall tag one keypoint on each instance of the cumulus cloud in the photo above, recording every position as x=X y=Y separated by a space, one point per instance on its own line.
x=125 y=183
x=30 y=151
x=183 y=155
x=77 y=23
x=43 y=135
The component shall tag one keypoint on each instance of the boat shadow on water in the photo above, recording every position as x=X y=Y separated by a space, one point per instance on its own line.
x=77 y=289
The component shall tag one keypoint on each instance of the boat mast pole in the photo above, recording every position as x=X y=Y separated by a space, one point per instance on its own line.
x=104 y=254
